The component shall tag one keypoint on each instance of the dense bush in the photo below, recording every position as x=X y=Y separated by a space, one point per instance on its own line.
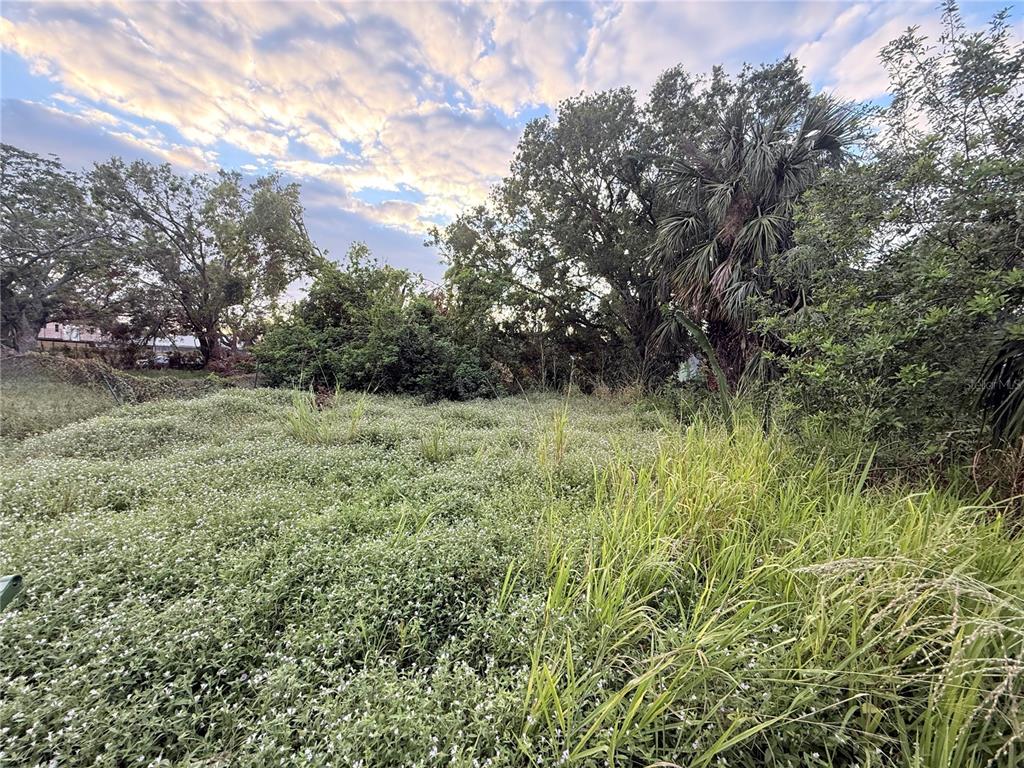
x=911 y=263
x=368 y=327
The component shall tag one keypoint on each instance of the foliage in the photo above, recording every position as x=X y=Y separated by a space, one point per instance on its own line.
x=558 y=263
x=55 y=258
x=912 y=263
x=211 y=255
x=558 y=255
x=677 y=319
x=681 y=631
x=675 y=594
x=324 y=423
x=368 y=327
x=1003 y=390
x=733 y=202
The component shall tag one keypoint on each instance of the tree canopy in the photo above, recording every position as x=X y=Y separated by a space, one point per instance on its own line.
x=217 y=253
x=55 y=249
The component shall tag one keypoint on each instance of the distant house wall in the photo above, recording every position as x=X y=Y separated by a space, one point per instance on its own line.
x=79 y=339
x=70 y=336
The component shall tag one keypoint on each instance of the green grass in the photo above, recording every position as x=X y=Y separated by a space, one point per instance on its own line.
x=250 y=579
x=31 y=405
x=170 y=373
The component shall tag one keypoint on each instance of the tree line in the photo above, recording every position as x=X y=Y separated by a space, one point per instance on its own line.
x=859 y=266
x=142 y=251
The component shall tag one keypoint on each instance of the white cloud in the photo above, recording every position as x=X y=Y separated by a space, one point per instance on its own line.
x=632 y=43
x=425 y=95
x=844 y=58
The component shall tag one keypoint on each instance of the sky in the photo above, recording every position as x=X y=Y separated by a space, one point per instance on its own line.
x=393 y=116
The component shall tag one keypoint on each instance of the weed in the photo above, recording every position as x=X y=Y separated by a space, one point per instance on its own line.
x=554 y=442
x=436 y=447
x=246 y=574
x=355 y=418
x=306 y=422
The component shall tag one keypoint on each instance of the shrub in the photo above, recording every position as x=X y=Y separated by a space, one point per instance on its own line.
x=367 y=327
x=912 y=262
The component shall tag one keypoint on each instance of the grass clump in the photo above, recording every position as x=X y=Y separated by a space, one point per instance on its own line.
x=322 y=423
x=554 y=437
x=246 y=578
x=436 y=446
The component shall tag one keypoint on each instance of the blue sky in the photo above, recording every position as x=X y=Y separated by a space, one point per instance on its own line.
x=394 y=116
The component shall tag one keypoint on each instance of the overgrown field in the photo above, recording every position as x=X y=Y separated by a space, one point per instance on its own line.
x=33 y=405
x=243 y=579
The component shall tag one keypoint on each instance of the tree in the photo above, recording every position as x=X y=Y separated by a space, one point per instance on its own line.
x=559 y=250
x=734 y=185
x=912 y=262
x=367 y=326
x=54 y=253
x=562 y=252
x=220 y=252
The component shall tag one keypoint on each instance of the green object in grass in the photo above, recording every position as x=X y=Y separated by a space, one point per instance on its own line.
x=9 y=587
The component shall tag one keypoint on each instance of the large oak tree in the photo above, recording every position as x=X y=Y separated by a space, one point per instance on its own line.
x=216 y=250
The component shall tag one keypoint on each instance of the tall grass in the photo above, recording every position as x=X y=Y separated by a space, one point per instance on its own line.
x=312 y=424
x=727 y=603
x=355 y=416
x=32 y=405
x=554 y=437
x=436 y=446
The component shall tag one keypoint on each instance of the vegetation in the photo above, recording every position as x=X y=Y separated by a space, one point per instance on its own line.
x=858 y=267
x=39 y=393
x=31 y=404
x=53 y=255
x=781 y=528
x=211 y=255
x=912 y=264
x=515 y=582
x=367 y=327
x=141 y=251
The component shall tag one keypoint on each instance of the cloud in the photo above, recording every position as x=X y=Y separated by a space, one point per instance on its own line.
x=333 y=221
x=428 y=97
x=632 y=43
x=90 y=137
x=845 y=57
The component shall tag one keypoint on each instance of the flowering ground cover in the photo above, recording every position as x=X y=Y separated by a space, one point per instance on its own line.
x=248 y=579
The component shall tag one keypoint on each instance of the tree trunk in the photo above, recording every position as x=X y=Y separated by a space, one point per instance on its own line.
x=25 y=334
x=209 y=346
x=727 y=341
x=642 y=319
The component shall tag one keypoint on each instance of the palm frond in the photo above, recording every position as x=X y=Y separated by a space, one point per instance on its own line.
x=1003 y=391
x=678 y=232
x=693 y=272
x=719 y=201
x=762 y=236
x=829 y=127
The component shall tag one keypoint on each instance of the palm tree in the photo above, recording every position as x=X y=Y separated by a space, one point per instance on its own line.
x=733 y=204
